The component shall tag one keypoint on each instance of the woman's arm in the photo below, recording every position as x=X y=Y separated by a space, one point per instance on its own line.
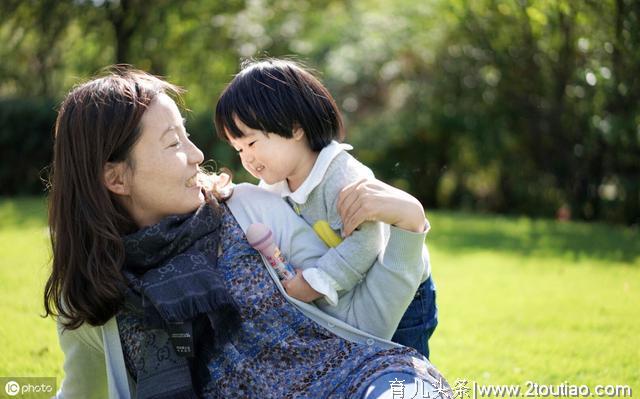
x=85 y=373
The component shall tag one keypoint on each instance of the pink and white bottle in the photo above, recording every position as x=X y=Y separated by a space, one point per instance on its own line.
x=260 y=238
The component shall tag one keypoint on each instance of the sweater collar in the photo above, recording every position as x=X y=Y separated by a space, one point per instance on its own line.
x=300 y=196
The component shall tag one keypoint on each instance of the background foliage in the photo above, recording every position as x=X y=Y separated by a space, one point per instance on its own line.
x=513 y=106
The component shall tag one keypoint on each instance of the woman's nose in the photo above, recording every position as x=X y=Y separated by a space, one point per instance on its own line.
x=195 y=155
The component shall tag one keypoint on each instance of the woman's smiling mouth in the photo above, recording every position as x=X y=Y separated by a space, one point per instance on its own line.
x=192 y=181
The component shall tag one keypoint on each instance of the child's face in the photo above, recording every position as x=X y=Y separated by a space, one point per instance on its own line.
x=273 y=158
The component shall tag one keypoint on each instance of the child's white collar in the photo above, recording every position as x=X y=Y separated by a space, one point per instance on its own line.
x=326 y=155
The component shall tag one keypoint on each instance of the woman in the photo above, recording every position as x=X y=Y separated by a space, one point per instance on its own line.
x=159 y=293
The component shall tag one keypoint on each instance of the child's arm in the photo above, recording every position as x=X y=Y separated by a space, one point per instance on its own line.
x=377 y=304
x=345 y=265
x=299 y=288
x=347 y=261
x=341 y=268
x=372 y=199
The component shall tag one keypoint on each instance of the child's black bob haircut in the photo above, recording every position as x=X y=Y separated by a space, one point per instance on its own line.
x=278 y=96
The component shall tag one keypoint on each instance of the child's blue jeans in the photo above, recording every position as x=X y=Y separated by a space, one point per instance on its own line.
x=420 y=319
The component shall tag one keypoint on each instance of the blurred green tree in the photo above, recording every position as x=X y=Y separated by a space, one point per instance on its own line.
x=522 y=106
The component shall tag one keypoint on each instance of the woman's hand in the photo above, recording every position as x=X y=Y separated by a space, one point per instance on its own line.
x=298 y=288
x=374 y=200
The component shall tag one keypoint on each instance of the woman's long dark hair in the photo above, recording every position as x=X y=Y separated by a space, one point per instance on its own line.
x=98 y=122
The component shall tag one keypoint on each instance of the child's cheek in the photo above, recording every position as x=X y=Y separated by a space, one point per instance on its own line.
x=250 y=170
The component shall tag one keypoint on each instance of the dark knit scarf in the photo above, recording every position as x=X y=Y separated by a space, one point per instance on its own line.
x=171 y=278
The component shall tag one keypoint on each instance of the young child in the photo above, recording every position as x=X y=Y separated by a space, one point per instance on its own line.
x=287 y=129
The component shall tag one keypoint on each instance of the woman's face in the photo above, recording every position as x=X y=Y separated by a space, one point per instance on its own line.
x=163 y=178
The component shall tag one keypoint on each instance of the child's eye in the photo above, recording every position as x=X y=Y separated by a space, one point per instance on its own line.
x=252 y=143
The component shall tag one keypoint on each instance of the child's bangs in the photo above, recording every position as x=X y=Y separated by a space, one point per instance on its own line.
x=248 y=106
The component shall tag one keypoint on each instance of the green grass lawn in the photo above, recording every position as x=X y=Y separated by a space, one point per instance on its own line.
x=520 y=299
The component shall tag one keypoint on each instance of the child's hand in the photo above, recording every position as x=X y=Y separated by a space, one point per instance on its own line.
x=298 y=288
x=373 y=200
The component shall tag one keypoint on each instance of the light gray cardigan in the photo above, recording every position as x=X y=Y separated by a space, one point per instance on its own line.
x=93 y=360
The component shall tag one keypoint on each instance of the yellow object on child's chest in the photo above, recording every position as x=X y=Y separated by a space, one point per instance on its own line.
x=326 y=233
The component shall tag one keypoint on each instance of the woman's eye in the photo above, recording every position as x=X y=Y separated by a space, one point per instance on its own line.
x=252 y=143
x=176 y=144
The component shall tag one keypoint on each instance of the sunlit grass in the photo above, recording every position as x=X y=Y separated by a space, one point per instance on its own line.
x=29 y=342
x=520 y=300
x=523 y=300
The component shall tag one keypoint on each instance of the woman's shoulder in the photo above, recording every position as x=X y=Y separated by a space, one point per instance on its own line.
x=91 y=336
x=243 y=189
x=252 y=204
x=252 y=196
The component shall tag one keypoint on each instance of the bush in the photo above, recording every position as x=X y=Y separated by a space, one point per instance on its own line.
x=26 y=143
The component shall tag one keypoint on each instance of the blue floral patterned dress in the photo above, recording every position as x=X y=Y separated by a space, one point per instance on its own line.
x=278 y=352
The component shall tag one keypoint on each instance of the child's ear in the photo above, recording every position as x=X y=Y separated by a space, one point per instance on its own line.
x=298 y=133
x=115 y=178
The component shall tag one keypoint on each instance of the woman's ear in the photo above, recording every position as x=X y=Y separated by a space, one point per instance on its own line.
x=115 y=178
